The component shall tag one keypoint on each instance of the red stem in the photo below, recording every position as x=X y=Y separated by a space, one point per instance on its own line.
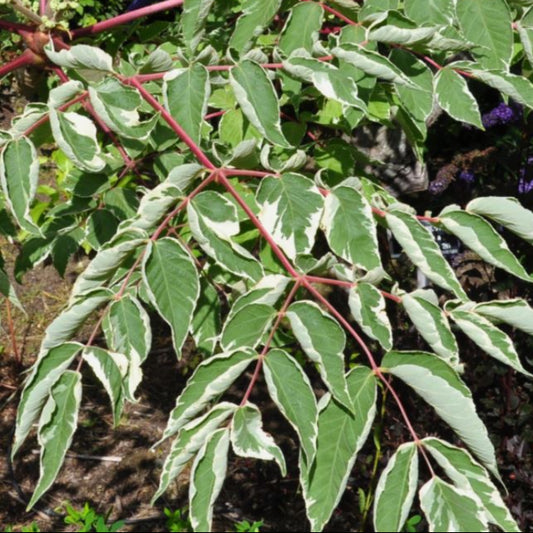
x=125 y=18
x=15 y=26
x=339 y=15
x=216 y=114
x=265 y=349
x=11 y=328
x=23 y=60
x=257 y=223
x=250 y=173
x=42 y=7
x=46 y=118
x=182 y=134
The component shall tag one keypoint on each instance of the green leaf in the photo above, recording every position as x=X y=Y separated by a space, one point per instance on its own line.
x=127 y=328
x=515 y=312
x=349 y=226
x=483 y=239
x=505 y=211
x=189 y=440
x=266 y=291
x=118 y=106
x=367 y=306
x=48 y=368
x=7 y=289
x=111 y=369
x=108 y=260
x=101 y=227
x=302 y=27
x=488 y=24
x=75 y=134
x=489 y=338
x=256 y=15
x=211 y=378
x=67 y=323
x=19 y=176
x=391 y=33
x=193 y=18
x=323 y=341
x=454 y=97
x=467 y=474
x=341 y=434
x=291 y=391
x=517 y=87
x=396 y=489
x=249 y=440
x=81 y=56
x=213 y=222
x=372 y=63
x=432 y=323
x=448 y=508
x=526 y=38
x=257 y=97
x=171 y=279
x=291 y=208
x=418 y=100
x=186 y=92
x=440 y=386
x=206 y=321
x=430 y=11
x=247 y=326
x=58 y=422
x=420 y=246
x=207 y=475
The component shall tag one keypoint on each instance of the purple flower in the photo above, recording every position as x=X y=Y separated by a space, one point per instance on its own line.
x=524 y=186
x=502 y=114
x=437 y=186
x=467 y=176
x=137 y=4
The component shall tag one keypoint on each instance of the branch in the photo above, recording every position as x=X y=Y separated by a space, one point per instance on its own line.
x=182 y=134
x=14 y=26
x=23 y=60
x=28 y=13
x=125 y=18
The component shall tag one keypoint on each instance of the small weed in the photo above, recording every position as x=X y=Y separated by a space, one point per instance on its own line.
x=176 y=521
x=246 y=527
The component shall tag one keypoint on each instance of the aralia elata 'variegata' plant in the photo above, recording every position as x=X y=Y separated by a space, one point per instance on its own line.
x=233 y=212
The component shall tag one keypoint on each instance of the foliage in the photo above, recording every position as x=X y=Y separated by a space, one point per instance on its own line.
x=89 y=520
x=245 y=526
x=176 y=522
x=220 y=181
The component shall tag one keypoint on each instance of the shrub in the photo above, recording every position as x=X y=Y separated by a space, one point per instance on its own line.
x=220 y=181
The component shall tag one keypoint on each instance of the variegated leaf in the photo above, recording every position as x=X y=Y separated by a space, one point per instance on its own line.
x=45 y=373
x=505 y=211
x=448 y=508
x=341 y=434
x=349 y=226
x=467 y=474
x=214 y=222
x=489 y=338
x=483 y=239
x=396 y=489
x=420 y=246
x=207 y=475
x=367 y=306
x=210 y=379
x=189 y=440
x=291 y=207
x=433 y=325
x=440 y=386
x=323 y=341
x=250 y=440
x=291 y=391
x=171 y=279
x=59 y=419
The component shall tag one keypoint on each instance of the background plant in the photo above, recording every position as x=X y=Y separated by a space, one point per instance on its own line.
x=214 y=181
